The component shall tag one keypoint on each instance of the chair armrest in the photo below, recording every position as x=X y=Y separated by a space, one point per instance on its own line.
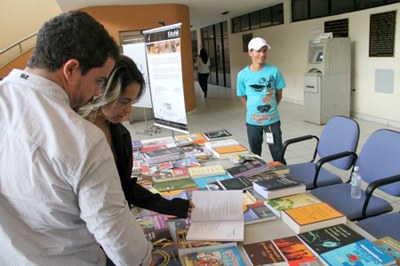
x=329 y=158
x=299 y=139
x=374 y=185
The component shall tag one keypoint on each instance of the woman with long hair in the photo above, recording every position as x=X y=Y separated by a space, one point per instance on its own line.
x=203 y=70
x=124 y=86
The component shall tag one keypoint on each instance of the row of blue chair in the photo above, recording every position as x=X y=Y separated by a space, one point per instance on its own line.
x=379 y=164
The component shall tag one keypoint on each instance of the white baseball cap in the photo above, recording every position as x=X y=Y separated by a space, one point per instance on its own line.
x=257 y=43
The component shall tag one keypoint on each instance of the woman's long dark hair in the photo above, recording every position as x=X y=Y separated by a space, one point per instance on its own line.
x=203 y=55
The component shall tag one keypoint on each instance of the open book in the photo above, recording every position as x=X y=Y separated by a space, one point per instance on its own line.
x=217 y=215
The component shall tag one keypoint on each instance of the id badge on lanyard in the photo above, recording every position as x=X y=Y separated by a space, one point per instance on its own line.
x=269 y=136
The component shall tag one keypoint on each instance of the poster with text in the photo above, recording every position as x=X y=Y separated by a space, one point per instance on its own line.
x=137 y=52
x=165 y=75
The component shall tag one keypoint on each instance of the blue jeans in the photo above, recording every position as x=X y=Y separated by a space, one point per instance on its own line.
x=255 y=135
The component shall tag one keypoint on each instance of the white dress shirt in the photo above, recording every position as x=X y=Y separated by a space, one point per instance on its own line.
x=60 y=194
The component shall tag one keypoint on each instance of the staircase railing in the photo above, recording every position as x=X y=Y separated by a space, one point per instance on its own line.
x=13 y=51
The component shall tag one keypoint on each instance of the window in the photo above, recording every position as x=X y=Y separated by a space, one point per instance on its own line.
x=258 y=19
x=309 y=9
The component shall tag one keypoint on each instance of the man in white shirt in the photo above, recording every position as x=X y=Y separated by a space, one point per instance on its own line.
x=60 y=194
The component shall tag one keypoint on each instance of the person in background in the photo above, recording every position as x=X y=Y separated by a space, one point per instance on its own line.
x=203 y=69
x=260 y=88
x=60 y=198
x=124 y=87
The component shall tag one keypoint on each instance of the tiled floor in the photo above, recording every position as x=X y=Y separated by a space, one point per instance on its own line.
x=222 y=109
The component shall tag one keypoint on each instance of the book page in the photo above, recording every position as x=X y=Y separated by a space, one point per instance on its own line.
x=221 y=231
x=217 y=205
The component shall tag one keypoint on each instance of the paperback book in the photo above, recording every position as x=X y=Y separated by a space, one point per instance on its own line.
x=217 y=134
x=295 y=251
x=248 y=168
x=197 y=138
x=186 y=246
x=278 y=186
x=228 y=151
x=257 y=212
x=165 y=250
x=208 y=170
x=171 y=175
x=208 y=181
x=163 y=155
x=341 y=245
x=289 y=202
x=220 y=143
x=175 y=184
x=390 y=246
x=312 y=217
x=264 y=253
x=211 y=257
x=218 y=216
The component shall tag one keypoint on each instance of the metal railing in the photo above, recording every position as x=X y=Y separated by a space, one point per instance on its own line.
x=13 y=51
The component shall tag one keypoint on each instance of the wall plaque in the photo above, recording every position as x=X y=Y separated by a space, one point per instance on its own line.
x=339 y=28
x=382 y=34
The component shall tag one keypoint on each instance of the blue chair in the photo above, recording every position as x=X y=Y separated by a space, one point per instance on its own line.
x=336 y=146
x=379 y=167
x=387 y=224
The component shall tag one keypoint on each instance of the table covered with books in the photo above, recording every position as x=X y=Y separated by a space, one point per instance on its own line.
x=247 y=211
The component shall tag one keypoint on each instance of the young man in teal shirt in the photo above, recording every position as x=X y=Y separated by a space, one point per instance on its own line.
x=260 y=87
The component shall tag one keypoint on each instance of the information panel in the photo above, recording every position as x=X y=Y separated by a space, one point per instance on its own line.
x=165 y=74
x=381 y=34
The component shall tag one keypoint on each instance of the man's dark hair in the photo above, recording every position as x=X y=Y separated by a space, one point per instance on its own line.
x=72 y=35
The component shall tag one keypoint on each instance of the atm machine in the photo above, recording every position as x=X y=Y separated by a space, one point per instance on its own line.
x=327 y=82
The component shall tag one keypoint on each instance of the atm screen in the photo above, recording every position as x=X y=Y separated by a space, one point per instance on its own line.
x=319 y=57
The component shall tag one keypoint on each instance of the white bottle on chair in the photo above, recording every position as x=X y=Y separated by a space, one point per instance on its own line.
x=356 y=183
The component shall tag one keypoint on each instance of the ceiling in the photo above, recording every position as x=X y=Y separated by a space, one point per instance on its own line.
x=202 y=12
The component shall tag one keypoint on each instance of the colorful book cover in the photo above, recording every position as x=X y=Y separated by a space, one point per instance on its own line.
x=180 y=194
x=312 y=214
x=257 y=212
x=170 y=175
x=362 y=252
x=326 y=239
x=186 y=162
x=165 y=251
x=175 y=184
x=390 y=246
x=209 y=170
x=197 y=138
x=145 y=181
x=202 y=182
x=264 y=253
x=136 y=144
x=223 y=256
x=289 y=202
x=294 y=250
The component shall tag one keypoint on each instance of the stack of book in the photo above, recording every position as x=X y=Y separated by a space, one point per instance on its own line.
x=248 y=168
x=156 y=230
x=341 y=245
x=164 y=155
x=228 y=151
x=312 y=217
x=278 y=186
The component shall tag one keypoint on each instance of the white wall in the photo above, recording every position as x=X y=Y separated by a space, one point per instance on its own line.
x=289 y=52
x=21 y=18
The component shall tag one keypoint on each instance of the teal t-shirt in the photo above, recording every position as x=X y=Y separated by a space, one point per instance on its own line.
x=260 y=88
